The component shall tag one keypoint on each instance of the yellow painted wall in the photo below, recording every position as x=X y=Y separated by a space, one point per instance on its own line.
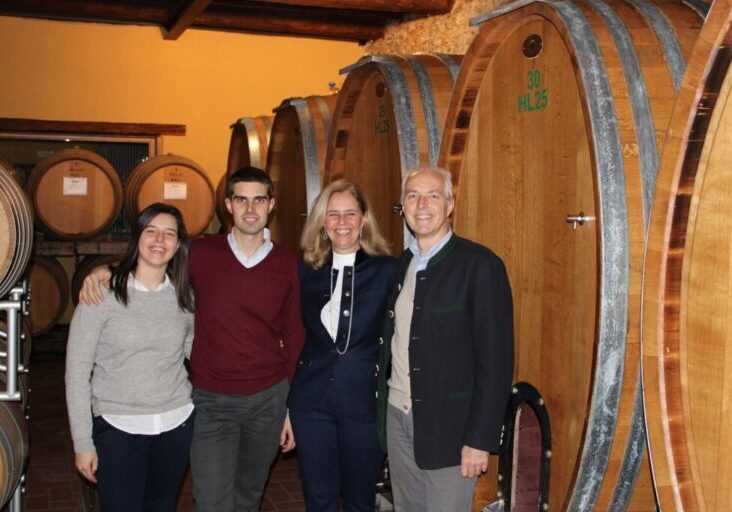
x=206 y=80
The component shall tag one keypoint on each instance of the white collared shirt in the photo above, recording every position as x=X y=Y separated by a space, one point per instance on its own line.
x=149 y=424
x=258 y=255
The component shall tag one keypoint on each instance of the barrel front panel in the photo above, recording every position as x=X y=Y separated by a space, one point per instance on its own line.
x=687 y=318
x=526 y=167
x=49 y=293
x=75 y=198
x=182 y=187
x=368 y=117
x=706 y=315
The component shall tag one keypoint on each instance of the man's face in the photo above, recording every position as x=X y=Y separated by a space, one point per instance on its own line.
x=426 y=209
x=250 y=207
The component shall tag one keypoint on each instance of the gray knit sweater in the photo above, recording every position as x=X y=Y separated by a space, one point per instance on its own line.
x=126 y=360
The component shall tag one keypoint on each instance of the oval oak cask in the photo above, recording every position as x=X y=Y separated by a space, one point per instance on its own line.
x=296 y=162
x=687 y=333
x=13 y=448
x=389 y=120
x=76 y=194
x=16 y=230
x=85 y=267
x=553 y=138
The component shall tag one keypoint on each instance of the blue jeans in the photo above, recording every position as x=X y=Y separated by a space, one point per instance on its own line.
x=140 y=472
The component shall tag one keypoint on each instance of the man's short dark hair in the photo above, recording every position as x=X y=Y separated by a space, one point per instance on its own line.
x=249 y=175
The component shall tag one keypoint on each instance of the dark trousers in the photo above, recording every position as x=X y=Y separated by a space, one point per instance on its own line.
x=338 y=457
x=235 y=440
x=140 y=472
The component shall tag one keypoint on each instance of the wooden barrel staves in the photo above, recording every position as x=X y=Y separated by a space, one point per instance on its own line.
x=296 y=162
x=13 y=448
x=553 y=138
x=388 y=120
x=687 y=335
x=16 y=230
x=49 y=293
x=76 y=193
x=249 y=145
x=173 y=180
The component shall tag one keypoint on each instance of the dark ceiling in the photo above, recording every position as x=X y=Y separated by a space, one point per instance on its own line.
x=351 y=20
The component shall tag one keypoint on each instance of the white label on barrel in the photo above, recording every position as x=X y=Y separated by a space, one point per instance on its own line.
x=175 y=190
x=75 y=186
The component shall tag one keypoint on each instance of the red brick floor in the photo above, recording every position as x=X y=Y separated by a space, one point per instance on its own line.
x=53 y=483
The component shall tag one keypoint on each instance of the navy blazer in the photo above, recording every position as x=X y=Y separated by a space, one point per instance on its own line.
x=353 y=373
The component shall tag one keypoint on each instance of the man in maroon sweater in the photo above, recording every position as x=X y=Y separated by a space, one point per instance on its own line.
x=248 y=335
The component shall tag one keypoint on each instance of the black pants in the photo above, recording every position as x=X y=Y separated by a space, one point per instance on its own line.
x=140 y=472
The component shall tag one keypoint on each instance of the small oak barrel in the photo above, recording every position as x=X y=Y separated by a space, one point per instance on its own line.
x=687 y=334
x=85 y=267
x=16 y=230
x=296 y=162
x=553 y=139
x=13 y=447
x=49 y=293
x=388 y=120
x=76 y=194
x=173 y=180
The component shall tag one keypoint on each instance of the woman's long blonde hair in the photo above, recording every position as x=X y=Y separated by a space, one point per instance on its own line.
x=315 y=246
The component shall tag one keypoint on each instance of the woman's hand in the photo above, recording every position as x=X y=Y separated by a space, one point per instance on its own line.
x=87 y=463
x=287 y=438
x=91 y=290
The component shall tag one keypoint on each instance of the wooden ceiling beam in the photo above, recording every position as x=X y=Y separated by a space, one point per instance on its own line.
x=186 y=18
x=80 y=10
x=401 y=6
x=333 y=27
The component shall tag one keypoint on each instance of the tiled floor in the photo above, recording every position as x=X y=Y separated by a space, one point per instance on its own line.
x=53 y=483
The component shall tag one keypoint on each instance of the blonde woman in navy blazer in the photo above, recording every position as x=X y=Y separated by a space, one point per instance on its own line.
x=345 y=279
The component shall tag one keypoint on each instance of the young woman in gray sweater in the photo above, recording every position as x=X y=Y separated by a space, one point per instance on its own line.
x=127 y=390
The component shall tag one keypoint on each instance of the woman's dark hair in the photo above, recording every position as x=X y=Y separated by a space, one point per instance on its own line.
x=177 y=269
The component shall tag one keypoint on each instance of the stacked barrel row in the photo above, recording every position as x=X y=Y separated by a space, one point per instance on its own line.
x=77 y=195
x=16 y=242
x=554 y=132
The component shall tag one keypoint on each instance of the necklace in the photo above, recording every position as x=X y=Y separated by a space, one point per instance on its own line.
x=334 y=329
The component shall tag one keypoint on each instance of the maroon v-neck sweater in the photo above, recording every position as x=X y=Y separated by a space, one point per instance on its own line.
x=248 y=330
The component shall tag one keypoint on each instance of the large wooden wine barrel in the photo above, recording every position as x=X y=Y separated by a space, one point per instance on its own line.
x=16 y=230
x=389 y=119
x=687 y=334
x=296 y=162
x=13 y=448
x=49 y=293
x=249 y=143
x=553 y=138
x=173 y=180
x=85 y=267
x=76 y=193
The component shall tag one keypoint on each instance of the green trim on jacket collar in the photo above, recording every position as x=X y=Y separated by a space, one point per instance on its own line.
x=434 y=260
